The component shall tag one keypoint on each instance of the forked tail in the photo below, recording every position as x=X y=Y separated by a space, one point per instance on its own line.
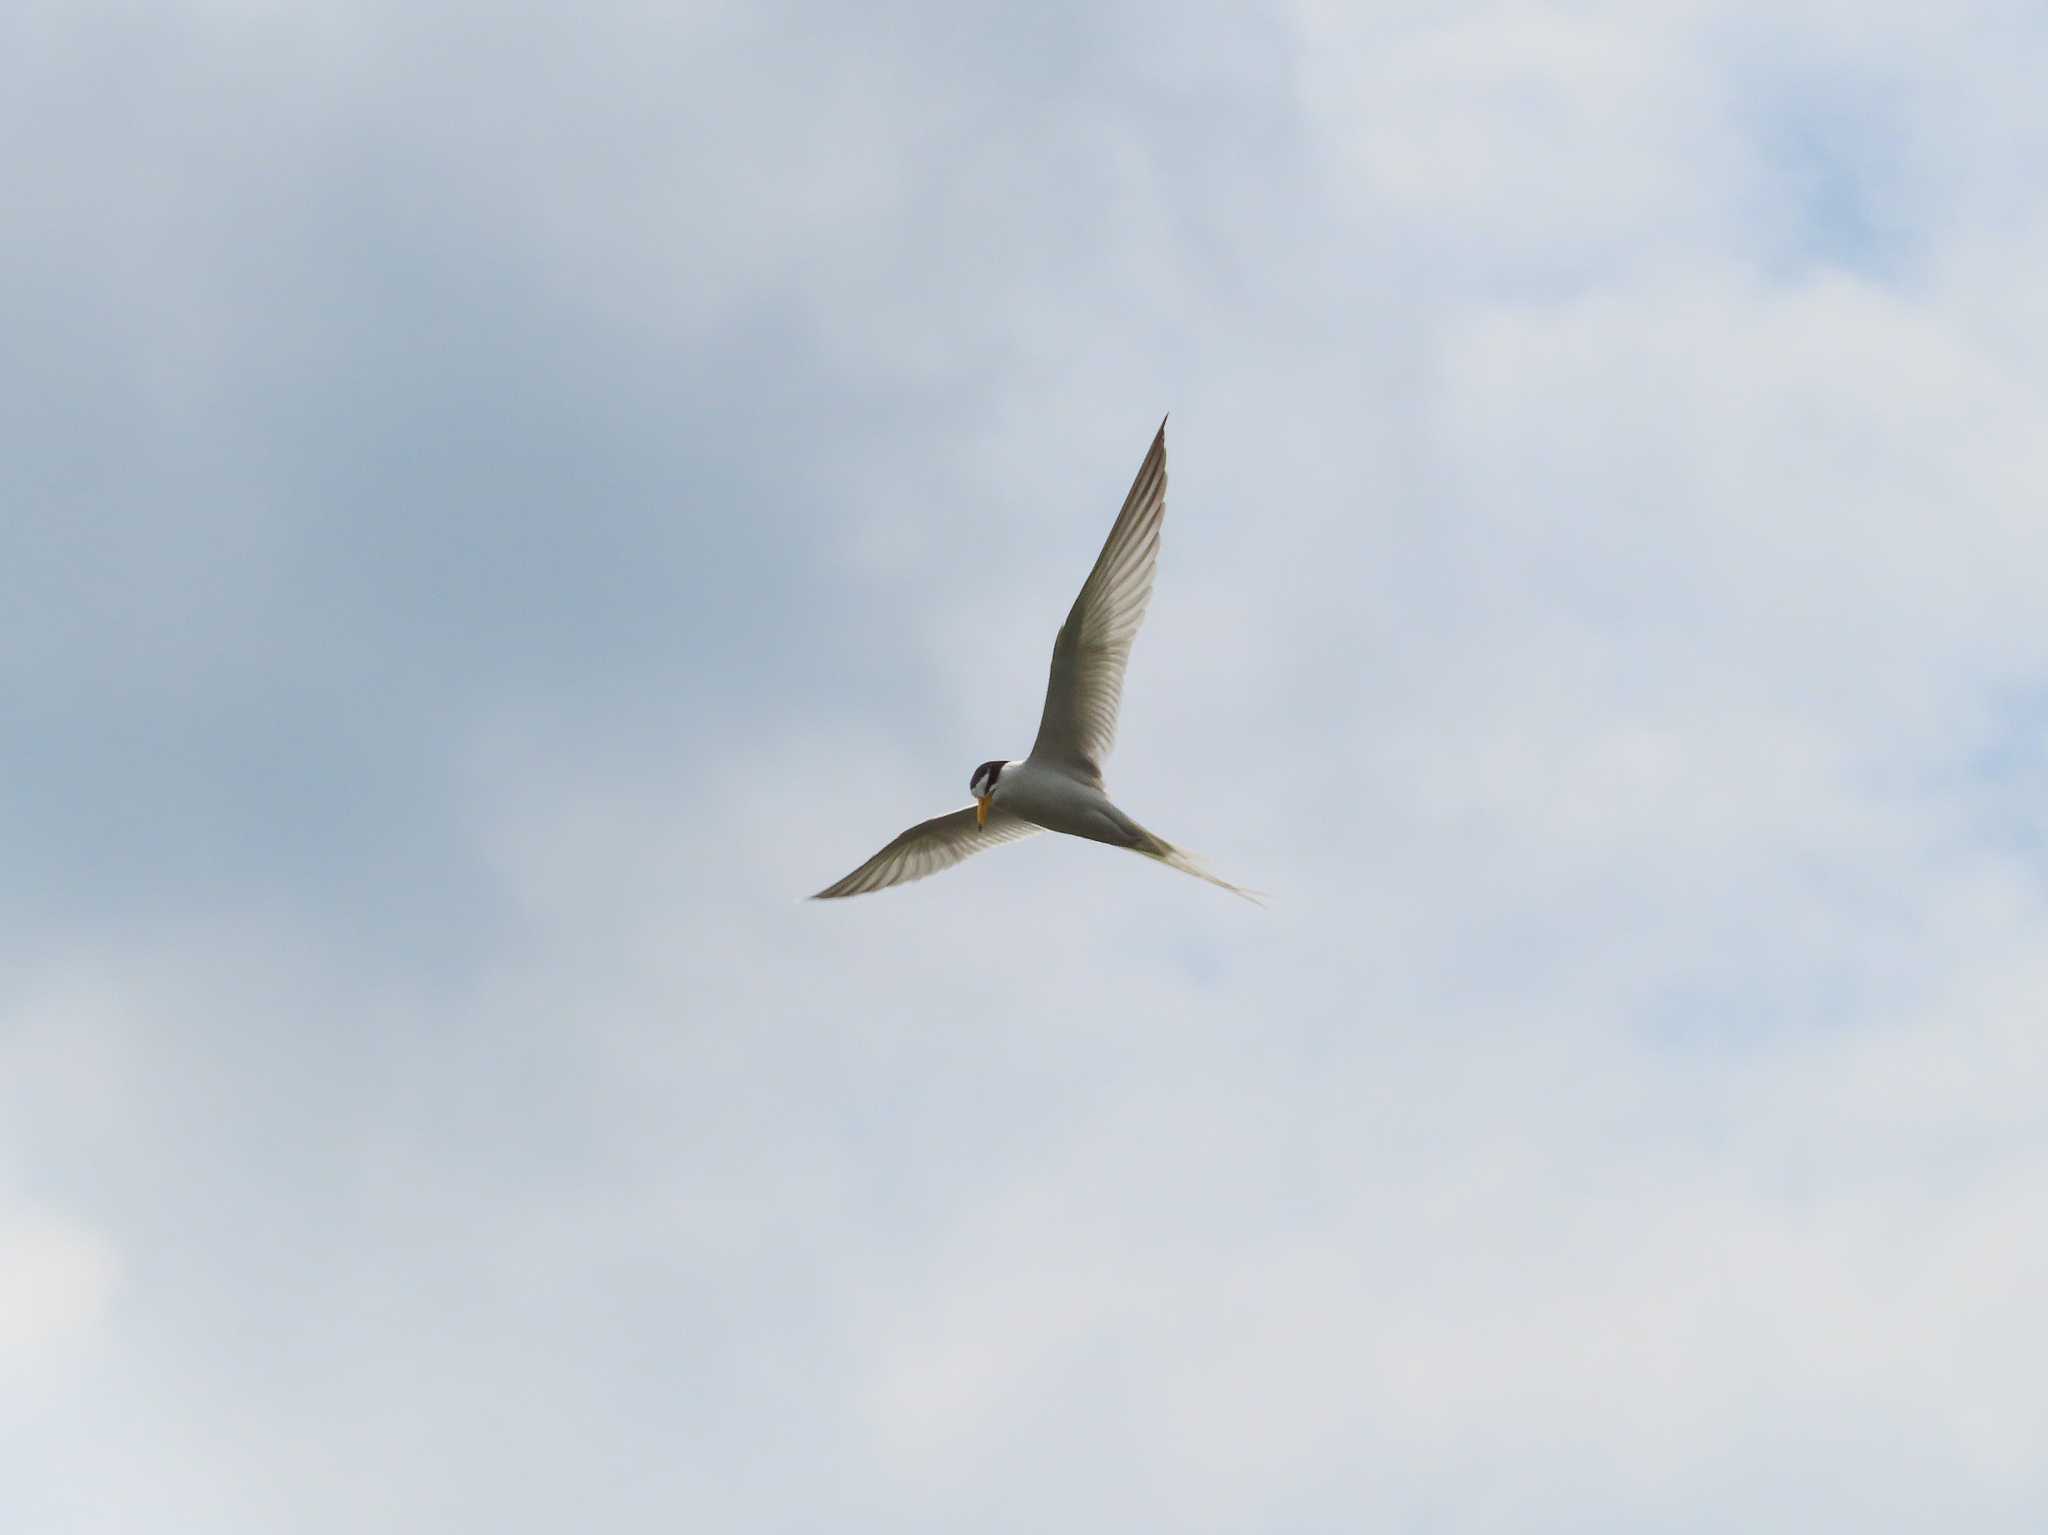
x=1162 y=851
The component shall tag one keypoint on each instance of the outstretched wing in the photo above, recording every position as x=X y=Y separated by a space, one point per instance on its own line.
x=929 y=847
x=1078 y=727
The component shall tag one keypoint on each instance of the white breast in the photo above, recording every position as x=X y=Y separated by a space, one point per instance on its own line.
x=1058 y=801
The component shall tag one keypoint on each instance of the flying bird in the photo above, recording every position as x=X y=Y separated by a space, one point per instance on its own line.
x=1058 y=787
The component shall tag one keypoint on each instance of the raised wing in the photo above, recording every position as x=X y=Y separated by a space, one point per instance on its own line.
x=1086 y=688
x=929 y=847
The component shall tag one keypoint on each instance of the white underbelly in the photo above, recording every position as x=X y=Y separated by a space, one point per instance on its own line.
x=1060 y=803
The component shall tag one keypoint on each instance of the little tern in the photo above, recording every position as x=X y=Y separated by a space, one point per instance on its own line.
x=1058 y=787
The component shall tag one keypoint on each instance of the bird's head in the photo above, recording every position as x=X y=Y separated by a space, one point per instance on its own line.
x=983 y=787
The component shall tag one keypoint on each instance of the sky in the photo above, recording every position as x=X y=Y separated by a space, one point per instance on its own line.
x=499 y=502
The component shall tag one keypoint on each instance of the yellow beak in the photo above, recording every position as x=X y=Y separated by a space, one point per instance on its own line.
x=981 y=810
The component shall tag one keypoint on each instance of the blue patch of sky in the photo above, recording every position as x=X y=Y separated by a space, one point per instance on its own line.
x=1836 y=190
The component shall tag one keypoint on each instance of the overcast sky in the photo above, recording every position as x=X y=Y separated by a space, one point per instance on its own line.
x=496 y=503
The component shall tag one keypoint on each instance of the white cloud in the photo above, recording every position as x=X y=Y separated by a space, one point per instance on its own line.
x=58 y=1280
x=1601 y=605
